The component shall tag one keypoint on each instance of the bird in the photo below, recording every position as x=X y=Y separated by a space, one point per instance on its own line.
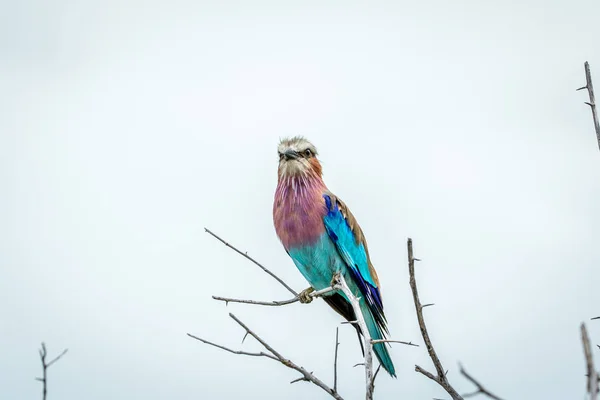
x=323 y=238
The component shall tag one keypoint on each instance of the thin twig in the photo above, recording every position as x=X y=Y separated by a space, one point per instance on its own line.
x=393 y=341
x=245 y=254
x=592 y=375
x=480 y=388
x=57 y=357
x=368 y=363
x=274 y=303
x=595 y=318
x=239 y=352
x=301 y=379
x=592 y=102
x=275 y=355
x=335 y=358
x=375 y=377
x=45 y=366
x=441 y=378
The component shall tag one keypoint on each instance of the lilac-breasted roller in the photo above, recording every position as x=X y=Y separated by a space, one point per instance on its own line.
x=322 y=237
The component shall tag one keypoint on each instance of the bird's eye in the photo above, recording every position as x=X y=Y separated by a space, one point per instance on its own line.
x=307 y=153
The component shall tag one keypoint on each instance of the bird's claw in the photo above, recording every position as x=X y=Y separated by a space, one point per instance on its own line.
x=305 y=297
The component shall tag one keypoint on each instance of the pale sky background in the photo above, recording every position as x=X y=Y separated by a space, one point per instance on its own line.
x=128 y=126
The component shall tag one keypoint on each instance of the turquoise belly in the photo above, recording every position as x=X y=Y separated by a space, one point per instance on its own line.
x=317 y=262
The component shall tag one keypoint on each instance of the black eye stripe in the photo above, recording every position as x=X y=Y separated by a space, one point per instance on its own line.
x=306 y=153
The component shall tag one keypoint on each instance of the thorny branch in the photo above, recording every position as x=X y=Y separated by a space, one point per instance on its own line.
x=45 y=366
x=592 y=102
x=440 y=378
x=274 y=355
x=592 y=374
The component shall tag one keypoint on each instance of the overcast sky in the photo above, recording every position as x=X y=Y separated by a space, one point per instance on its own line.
x=128 y=126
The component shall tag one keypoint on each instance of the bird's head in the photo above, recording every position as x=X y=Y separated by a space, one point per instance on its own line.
x=298 y=157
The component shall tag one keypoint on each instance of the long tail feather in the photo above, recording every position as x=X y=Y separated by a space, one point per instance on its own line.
x=380 y=349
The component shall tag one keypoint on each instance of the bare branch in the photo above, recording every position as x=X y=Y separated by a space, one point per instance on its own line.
x=592 y=375
x=595 y=318
x=239 y=352
x=592 y=102
x=275 y=303
x=335 y=358
x=245 y=254
x=441 y=378
x=340 y=283
x=43 y=354
x=480 y=388
x=275 y=355
x=393 y=341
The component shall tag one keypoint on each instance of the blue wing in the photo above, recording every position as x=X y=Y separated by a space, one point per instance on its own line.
x=351 y=245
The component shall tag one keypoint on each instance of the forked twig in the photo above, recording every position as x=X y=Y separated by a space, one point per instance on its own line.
x=45 y=366
x=480 y=388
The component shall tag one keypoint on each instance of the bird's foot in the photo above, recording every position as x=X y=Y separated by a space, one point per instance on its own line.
x=305 y=297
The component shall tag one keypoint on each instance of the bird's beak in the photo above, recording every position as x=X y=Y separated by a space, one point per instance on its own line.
x=290 y=155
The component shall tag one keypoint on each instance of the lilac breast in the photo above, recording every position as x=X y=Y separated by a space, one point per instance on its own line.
x=298 y=214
